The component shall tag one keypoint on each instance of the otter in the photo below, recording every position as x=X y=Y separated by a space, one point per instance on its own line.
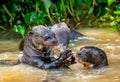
x=94 y=56
x=62 y=33
x=37 y=48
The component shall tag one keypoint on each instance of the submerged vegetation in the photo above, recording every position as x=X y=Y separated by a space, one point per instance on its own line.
x=20 y=15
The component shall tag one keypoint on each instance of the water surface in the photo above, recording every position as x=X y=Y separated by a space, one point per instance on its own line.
x=109 y=41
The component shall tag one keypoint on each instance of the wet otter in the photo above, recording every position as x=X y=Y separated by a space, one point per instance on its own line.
x=62 y=33
x=74 y=35
x=89 y=55
x=38 y=45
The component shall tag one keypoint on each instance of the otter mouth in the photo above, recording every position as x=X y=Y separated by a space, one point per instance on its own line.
x=85 y=64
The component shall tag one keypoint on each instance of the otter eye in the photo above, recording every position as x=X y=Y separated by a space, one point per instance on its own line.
x=47 y=37
x=101 y=55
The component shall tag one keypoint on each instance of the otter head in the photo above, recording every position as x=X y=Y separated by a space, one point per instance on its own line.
x=92 y=56
x=41 y=37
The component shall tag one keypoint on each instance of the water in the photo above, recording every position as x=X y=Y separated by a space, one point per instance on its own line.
x=107 y=40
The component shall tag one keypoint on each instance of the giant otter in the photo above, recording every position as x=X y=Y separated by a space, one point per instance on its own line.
x=62 y=33
x=38 y=45
x=94 y=56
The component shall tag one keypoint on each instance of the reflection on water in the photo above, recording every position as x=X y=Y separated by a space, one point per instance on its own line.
x=21 y=73
x=104 y=39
